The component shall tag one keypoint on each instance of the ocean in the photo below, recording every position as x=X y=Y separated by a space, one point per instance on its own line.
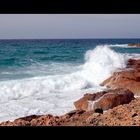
x=47 y=76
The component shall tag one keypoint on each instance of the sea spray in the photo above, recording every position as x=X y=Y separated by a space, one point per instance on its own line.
x=99 y=64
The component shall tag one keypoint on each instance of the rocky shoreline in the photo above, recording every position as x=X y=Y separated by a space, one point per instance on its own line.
x=116 y=106
x=122 y=115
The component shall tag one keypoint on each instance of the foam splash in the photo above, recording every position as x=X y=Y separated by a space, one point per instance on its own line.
x=120 y=45
x=101 y=62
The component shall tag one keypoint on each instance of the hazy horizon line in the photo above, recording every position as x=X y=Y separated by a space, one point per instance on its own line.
x=60 y=38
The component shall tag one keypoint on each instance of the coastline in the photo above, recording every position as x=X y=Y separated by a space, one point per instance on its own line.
x=121 y=113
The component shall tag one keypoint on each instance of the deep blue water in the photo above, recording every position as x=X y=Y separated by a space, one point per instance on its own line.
x=18 y=55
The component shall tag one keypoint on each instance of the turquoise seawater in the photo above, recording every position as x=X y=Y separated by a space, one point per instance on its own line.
x=18 y=57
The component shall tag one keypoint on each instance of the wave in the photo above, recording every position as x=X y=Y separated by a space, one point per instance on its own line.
x=122 y=46
x=119 y=45
x=56 y=93
x=99 y=64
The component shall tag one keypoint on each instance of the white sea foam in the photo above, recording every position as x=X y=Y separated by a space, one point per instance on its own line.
x=56 y=93
x=119 y=45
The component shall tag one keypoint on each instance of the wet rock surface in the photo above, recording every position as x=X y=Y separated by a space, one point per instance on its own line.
x=104 y=100
x=128 y=78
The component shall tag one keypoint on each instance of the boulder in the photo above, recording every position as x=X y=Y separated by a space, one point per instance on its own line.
x=105 y=100
x=113 y=99
x=83 y=103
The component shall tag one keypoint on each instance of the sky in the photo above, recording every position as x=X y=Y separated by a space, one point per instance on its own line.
x=53 y=26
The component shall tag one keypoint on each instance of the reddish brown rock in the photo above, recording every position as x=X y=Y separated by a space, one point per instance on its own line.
x=104 y=100
x=43 y=120
x=83 y=102
x=133 y=63
x=113 y=98
x=33 y=120
x=127 y=78
x=123 y=115
x=134 y=44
